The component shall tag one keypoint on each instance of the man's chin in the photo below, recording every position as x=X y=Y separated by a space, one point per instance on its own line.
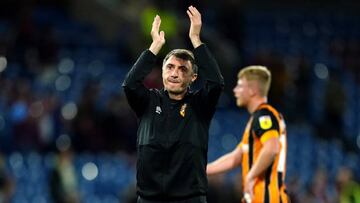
x=239 y=104
x=176 y=91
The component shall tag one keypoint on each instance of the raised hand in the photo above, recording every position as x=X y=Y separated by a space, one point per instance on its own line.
x=195 y=26
x=158 y=38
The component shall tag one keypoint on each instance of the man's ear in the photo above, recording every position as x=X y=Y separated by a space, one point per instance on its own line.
x=194 y=77
x=252 y=91
x=253 y=88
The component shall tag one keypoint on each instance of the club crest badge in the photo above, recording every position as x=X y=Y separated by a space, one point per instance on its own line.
x=183 y=110
x=265 y=122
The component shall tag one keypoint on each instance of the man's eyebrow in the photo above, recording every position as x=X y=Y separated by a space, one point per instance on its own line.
x=183 y=67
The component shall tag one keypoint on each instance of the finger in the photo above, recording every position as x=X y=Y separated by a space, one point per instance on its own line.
x=194 y=11
x=196 y=15
x=156 y=19
x=189 y=14
x=156 y=23
x=190 y=10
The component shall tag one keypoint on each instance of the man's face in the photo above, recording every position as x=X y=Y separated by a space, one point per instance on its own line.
x=242 y=92
x=177 y=75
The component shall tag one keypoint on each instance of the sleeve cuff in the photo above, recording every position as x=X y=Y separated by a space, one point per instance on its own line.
x=148 y=55
x=268 y=135
x=200 y=50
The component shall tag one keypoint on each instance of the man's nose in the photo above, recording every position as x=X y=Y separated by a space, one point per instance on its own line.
x=174 y=73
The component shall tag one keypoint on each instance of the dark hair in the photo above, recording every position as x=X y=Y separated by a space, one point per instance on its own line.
x=183 y=54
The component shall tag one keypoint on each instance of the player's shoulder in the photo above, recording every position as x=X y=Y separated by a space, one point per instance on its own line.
x=265 y=117
x=265 y=109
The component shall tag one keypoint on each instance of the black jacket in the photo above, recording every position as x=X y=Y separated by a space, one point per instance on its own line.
x=173 y=135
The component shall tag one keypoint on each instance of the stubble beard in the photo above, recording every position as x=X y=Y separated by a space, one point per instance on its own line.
x=178 y=90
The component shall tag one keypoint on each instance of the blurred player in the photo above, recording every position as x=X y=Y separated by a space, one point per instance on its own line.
x=262 y=151
x=172 y=138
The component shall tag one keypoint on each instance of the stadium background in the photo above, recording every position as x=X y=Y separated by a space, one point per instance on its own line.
x=62 y=107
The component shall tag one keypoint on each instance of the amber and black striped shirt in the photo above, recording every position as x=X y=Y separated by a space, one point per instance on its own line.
x=265 y=123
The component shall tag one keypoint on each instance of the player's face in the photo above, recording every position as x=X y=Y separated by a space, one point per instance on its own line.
x=242 y=92
x=177 y=75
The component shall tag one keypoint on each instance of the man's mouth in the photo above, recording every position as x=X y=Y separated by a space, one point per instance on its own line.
x=173 y=81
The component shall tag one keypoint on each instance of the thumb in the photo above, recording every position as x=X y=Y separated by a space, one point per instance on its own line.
x=162 y=34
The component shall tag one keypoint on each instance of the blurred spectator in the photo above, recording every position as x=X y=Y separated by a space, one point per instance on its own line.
x=86 y=125
x=348 y=188
x=299 y=92
x=63 y=180
x=7 y=183
x=332 y=125
x=47 y=48
x=221 y=191
x=319 y=191
x=294 y=189
x=334 y=108
x=49 y=121
x=119 y=125
x=25 y=129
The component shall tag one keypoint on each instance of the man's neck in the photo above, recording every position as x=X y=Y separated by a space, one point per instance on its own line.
x=255 y=103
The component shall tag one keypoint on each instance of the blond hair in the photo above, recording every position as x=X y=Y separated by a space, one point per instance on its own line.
x=260 y=74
